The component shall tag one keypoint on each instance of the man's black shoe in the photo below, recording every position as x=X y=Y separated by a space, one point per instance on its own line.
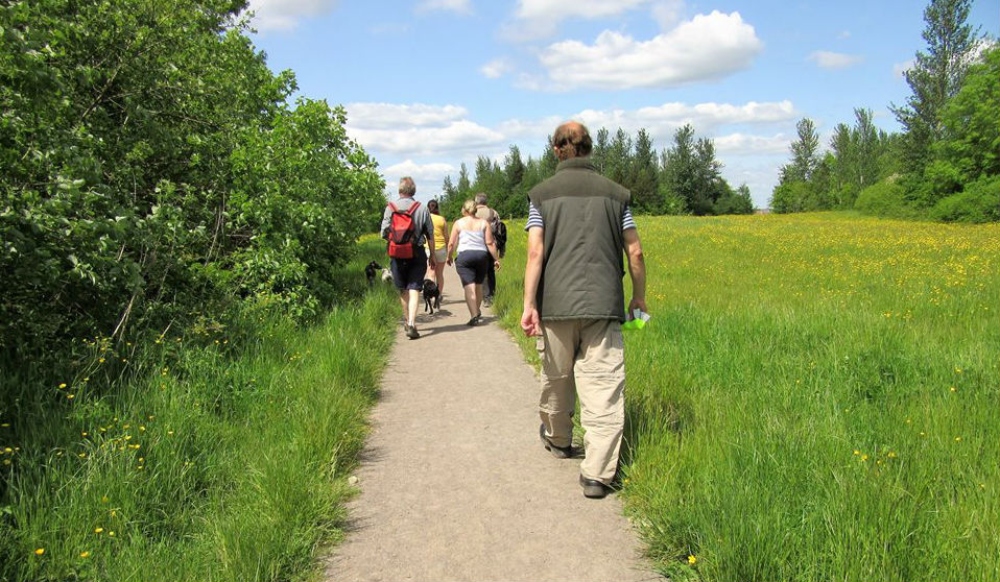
x=594 y=489
x=411 y=331
x=557 y=452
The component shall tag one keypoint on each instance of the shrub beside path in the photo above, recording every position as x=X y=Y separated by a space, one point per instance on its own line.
x=455 y=484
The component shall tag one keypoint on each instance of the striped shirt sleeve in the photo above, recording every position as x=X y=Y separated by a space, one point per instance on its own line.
x=535 y=218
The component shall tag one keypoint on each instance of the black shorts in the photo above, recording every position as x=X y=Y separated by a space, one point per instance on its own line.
x=472 y=266
x=410 y=273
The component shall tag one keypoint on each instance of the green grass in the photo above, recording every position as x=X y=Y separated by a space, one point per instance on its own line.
x=225 y=462
x=815 y=398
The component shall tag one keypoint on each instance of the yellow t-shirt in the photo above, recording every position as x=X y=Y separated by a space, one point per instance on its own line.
x=440 y=231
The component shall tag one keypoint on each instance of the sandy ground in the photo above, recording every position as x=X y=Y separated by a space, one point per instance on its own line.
x=455 y=484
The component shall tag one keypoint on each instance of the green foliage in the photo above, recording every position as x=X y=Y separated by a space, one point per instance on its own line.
x=971 y=140
x=859 y=156
x=734 y=202
x=691 y=172
x=884 y=199
x=307 y=192
x=937 y=76
x=153 y=172
x=684 y=179
x=805 y=154
x=978 y=203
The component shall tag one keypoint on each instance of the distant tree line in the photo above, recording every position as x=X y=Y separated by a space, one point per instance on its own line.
x=683 y=179
x=153 y=172
x=944 y=165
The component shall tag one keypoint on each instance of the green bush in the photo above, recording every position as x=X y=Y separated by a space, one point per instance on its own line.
x=154 y=171
x=884 y=199
x=980 y=202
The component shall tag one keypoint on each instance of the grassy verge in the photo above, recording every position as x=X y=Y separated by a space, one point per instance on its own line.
x=815 y=398
x=227 y=462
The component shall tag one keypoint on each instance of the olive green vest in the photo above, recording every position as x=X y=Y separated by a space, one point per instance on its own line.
x=583 y=266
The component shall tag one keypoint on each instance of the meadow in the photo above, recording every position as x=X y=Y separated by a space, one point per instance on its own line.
x=815 y=398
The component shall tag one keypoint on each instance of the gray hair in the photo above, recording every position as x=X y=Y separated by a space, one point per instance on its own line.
x=481 y=198
x=407 y=187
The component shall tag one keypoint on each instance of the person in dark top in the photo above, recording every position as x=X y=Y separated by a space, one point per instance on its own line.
x=579 y=230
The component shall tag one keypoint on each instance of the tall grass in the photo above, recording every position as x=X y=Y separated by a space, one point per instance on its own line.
x=816 y=398
x=226 y=461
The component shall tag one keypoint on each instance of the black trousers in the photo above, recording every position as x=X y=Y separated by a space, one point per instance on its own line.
x=491 y=280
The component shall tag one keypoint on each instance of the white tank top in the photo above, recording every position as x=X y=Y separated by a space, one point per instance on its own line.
x=472 y=240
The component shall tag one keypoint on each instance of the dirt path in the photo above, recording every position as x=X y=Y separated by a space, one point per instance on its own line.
x=455 y=484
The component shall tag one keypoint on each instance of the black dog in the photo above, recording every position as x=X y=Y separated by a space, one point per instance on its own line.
x=372 y=271
x=432 y=296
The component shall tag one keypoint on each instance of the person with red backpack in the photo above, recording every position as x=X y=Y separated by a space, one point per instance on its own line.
x=406 y=225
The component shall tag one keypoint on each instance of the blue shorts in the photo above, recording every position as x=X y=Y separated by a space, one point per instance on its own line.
x=410 y=273
x=472 y=266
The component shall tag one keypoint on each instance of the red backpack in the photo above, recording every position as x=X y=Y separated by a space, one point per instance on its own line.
x=401 y=234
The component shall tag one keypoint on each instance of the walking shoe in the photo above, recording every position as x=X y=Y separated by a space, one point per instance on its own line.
x=488 y=301
x=557 y=452
x=594 y=489
x=475 y=320
x=411 y=331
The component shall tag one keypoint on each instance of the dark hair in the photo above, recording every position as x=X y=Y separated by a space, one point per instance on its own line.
x=573 y=135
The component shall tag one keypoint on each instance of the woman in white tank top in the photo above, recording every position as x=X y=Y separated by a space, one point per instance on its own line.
x=470 y=248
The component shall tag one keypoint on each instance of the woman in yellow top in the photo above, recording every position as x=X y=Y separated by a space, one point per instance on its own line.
x=440 y=244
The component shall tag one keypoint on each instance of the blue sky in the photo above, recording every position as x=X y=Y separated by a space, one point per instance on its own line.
x=430 y=84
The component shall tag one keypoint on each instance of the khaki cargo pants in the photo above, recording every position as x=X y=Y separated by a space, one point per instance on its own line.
x=584 y=358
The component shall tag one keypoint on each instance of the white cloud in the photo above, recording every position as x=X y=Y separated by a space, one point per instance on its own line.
x=540 y=18
x=285 y=14
x=459 y=6
x=555 y=10
x=396 y=115
x=741 y=144
x=706 y=47
x=662 y=121
x=668 y=13
x=412 y=130
x=831 y=60
x=496 y=68
x=427 y=177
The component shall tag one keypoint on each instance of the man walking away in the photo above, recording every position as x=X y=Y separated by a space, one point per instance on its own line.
x=408 y=273
x=489 y=215
x=579 y=228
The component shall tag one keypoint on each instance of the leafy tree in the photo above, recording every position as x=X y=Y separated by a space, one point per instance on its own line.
x=464 y=184
x=936 y=77
x=736 y=201
x=600 y=153
x=617 y=161
x=508 y=201
x=691 y=172
x=971 y=133
x=122 y=128
x=644 y=176
x=805 y=154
